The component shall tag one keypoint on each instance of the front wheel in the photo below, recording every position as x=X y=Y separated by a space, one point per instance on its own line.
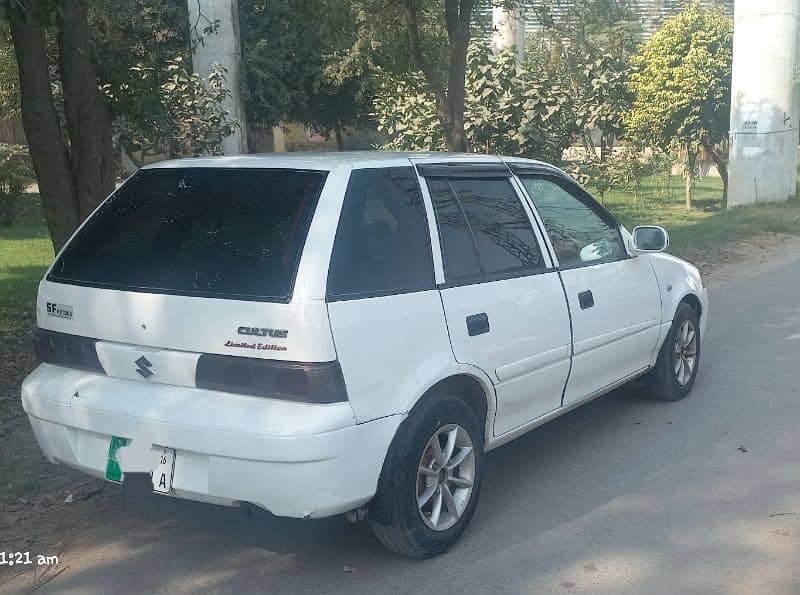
x=678 y=361
x=431 y=479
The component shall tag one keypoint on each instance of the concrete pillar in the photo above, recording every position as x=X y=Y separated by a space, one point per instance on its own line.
x=508 y=29
x=764 y=102
x=216 y=23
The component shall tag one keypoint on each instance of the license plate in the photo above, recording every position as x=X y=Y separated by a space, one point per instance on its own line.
x=162 y=474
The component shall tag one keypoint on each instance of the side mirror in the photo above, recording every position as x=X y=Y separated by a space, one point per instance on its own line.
x=650 y=238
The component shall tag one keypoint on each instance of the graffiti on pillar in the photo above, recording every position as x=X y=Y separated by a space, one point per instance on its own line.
x=749 y=125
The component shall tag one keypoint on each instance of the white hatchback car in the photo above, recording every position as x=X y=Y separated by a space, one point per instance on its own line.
x=321 y=334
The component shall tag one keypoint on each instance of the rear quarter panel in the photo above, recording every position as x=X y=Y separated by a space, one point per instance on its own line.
x=391 y=350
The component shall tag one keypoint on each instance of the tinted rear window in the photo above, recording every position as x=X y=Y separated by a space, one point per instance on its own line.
x=234 y=233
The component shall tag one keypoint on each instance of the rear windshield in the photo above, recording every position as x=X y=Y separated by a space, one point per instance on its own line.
x=235 y=233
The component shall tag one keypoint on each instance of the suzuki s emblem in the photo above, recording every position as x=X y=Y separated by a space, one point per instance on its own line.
x=143 y=366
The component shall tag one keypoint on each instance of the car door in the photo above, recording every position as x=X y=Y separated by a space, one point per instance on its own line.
x=504 y=305
x=614 y=299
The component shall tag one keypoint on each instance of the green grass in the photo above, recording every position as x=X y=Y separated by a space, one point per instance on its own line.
x=25 y=253
x=702 y=233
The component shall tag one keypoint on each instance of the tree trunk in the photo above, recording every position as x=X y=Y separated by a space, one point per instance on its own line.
x=337 y=133
x=688 y=174
x=49 y=154
x=458 y=16
x=606 y=146
x=88 y=117
x=450 y=98
x=722 y=167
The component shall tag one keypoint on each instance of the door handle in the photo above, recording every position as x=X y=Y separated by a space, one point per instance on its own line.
x=477 y=324
x=586 y=299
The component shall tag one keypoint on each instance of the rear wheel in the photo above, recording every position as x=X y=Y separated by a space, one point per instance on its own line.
x=676 y=368
x=431 y=479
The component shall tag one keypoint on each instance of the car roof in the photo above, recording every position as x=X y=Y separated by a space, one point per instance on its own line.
x=335 y=159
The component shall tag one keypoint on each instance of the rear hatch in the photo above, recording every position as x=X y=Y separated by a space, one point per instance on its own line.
x=188 y=266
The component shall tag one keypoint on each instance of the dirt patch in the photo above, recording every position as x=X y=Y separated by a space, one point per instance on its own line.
x=41 y=505
x=748 y=258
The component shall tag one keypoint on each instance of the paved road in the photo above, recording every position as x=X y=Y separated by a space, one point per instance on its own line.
x=625 y=495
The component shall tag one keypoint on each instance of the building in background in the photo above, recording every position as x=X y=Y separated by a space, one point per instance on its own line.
x=651 y=13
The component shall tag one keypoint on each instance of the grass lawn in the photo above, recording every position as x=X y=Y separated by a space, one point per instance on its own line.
x=700 y=235
x=25 y=253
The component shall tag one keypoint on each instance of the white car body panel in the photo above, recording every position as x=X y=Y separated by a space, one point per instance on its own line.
x=389 y=348
x=194 y=324
x=261 y=451
x=526 y=351
x=678 y=279
x=618 y=335
x=316 y=460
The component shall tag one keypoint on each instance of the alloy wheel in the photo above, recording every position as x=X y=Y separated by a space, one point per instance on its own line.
x=685 y=352
x=445 y=477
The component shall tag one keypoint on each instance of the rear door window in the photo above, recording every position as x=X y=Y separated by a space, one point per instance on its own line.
x=213 y=232
x=484 y=229
x=382 y=244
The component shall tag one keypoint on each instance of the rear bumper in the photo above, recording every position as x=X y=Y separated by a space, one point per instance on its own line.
x=293 y=459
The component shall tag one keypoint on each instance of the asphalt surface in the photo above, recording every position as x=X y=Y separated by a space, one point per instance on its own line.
x=624 y=495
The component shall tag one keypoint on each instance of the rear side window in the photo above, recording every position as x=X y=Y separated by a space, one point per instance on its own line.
x=382 y=243
x=214 y=232
x=485 y=231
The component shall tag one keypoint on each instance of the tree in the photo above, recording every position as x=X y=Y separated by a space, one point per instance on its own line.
x=74 y=175
x=586 y=46
x=86 y=72
x=448 y=90
x=16 y=173
x=187 y=120
x=303 y=61
x=508 y=109
x=9 y=84
x=681 y=87
x=159 y=107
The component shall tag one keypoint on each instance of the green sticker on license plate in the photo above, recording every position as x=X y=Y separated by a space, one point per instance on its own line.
x=113 y=472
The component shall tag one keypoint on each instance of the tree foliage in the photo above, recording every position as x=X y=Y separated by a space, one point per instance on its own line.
x=509 y=109
x=681 y=86
x=93 y=71
x=587 y=48
x=188 y=119
x=430 y=46
x=16 y=173
x=159 y=107
x=304 y=60
x=9 y=83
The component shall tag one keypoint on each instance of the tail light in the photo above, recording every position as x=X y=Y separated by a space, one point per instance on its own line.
x=290 y=381
x=71 y=351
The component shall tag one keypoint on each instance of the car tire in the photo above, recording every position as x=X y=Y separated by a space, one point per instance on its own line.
x=413 y=473
x=678 y=361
